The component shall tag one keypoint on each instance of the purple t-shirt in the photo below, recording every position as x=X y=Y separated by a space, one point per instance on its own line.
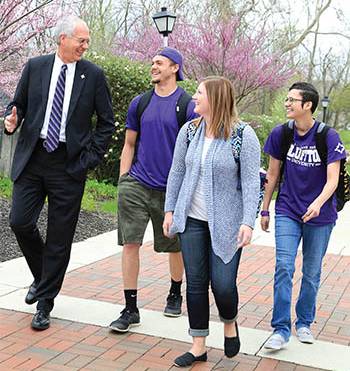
x=304 y=173
x=159 y=129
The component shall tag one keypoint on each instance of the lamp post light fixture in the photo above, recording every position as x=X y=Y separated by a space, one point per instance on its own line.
x=325 y=102
x=164 y=21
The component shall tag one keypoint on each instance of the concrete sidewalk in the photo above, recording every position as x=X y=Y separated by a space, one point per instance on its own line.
x=92 y=296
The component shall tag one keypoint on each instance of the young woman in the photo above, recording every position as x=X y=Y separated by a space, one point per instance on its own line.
x=211 y=202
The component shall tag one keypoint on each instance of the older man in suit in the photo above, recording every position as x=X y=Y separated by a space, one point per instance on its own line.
x=54 y=102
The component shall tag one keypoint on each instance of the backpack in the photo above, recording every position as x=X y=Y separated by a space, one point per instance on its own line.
x=236 y=143
x=342 y=192
x=181 y=106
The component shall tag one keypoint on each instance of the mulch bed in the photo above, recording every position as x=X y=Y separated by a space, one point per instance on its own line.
x=90 y=224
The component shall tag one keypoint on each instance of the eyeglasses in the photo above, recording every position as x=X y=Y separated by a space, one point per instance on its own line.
x=292 y=100
x=80 y=40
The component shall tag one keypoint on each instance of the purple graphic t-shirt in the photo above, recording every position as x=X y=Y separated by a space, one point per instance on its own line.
x=304 y=173
x=159 y=129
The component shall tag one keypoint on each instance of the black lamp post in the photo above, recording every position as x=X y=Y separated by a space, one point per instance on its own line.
x=164 y=21
x=325 y=102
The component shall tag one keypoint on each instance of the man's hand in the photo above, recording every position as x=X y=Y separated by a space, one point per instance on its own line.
x=168 y=221
x=244 y=236
x=312 y=212
x=11 y=120
x=264 y=223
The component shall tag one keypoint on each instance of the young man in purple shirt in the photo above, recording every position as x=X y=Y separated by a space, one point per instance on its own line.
x=305 y=210
x=145 y=163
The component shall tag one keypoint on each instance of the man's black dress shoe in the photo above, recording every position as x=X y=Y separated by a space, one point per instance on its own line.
x=41 y=320
x=187 y=359
x=31 y=294
x=232 y=345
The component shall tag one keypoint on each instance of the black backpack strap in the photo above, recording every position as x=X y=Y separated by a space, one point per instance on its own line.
x=143 y=103
x=181 y=108
x=287 y=138
x=321 y=141
x=140 y=109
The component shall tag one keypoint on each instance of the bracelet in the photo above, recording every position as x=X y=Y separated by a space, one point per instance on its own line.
x=264 y=213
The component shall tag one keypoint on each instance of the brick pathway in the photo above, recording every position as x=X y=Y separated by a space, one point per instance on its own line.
x=73 y=346
x=103 y=281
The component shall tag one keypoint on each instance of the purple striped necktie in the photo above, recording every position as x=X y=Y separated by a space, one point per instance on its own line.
x=53 y=131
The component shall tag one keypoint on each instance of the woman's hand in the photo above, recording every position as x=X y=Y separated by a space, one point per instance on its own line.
x=168 y=221
x=244 y=236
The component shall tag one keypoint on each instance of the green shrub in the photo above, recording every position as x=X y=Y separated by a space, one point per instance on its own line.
x=262 y=124
x=126 y=79
x=345 y=138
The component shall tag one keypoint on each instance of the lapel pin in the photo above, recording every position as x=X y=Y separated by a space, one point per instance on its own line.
x=82 y=76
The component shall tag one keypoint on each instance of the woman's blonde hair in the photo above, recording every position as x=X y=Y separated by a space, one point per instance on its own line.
x=222 y=103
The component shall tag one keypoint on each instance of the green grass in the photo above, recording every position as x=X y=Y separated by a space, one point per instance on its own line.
x=100 y=197
x=109 y=207
x=345 y=138
x=5 y=187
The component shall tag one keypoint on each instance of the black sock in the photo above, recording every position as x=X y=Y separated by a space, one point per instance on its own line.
x=130 y=300
x=175 y=287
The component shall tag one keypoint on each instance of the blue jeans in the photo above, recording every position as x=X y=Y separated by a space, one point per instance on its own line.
x=288 y=233
x=201 y=267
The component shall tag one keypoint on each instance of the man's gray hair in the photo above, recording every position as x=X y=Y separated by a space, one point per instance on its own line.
x=66 y=25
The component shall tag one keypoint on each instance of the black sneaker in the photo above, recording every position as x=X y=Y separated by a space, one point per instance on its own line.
x=173 y=306
x=125 y=321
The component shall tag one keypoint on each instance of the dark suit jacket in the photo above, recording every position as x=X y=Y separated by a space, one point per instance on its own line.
x=86 y=145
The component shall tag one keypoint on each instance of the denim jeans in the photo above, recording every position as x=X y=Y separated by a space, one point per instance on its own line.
x=201 y=267
x=288 y=233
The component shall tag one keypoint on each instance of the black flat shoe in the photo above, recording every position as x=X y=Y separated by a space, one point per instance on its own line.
x=187 y=359
x=31 y=294
x=41 y=320
x=232 y=345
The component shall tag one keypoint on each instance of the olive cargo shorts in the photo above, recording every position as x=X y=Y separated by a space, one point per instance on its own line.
x=136 y=206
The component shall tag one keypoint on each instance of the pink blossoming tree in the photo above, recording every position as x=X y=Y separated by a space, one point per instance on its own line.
x=215 y=48
x=21 y=22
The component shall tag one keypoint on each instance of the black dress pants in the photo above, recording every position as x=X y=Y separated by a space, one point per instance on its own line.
x=45 y=177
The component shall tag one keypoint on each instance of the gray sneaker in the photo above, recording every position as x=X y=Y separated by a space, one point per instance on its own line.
x=275 y=342
x=304 y=335
x=173 y=305
x=125 y=321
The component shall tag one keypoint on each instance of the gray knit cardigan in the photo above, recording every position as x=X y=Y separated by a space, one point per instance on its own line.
x=227 y=206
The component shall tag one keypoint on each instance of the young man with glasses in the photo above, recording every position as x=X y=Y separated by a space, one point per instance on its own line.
x=305 y=210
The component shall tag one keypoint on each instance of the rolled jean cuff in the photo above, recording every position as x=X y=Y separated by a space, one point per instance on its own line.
x=228 y=320
x=198 y=332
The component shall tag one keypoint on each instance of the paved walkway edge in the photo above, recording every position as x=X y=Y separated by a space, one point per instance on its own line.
x=15 y=276
x=319 y=355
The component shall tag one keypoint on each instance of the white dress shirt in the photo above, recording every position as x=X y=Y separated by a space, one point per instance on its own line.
x=67 y=95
